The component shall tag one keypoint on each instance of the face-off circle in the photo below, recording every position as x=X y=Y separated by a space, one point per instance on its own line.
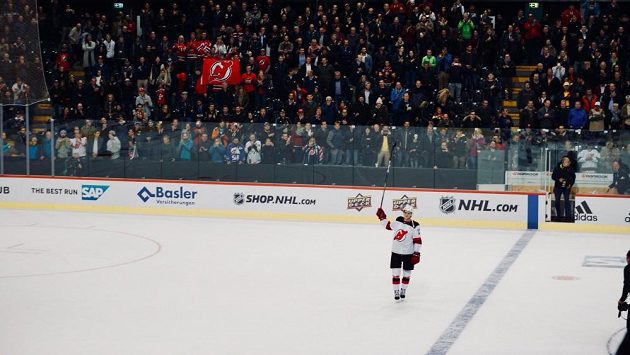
x=34 y=250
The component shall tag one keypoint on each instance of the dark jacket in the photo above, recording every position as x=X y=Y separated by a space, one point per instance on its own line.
x=568 y=174
x=621 y=181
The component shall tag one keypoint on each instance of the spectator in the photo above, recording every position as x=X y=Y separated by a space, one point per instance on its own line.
x=404 y=138
x=459 y=147
x=443 y=157
x=380 y=114
x=472 y=120
x=415 y=150
x=588 y=159
x=313 y=153
x=34 y=149
x=466 y=27
x=46 y=145
x=217 y=151
x=351 y=149
x=625 y=113
x=335 y=142
x=546 y=116
x=383 y=147
x=6 y=145
x=268 y=152
x=476 y=143
x=113 y=145
x=367 y=144
x=167 y=150
x=621 y=179
x=455 y=79
x=577 y=117
x=235 y=152
x=88 y=46
x=253 y=149
x=596 y=118
x=185 y=146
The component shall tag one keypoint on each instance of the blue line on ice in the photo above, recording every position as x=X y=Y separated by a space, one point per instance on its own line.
x=455 y=329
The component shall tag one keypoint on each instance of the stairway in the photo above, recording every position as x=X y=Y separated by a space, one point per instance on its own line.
x=42 y=112
x=40 y=117
x=522 y=76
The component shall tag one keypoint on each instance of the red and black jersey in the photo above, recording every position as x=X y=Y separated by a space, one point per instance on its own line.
x=160 y=97
x=180 y=50
x=192 y=49
x=204 y=48
x=407 y=239
x=248 y=87
x=263 y=62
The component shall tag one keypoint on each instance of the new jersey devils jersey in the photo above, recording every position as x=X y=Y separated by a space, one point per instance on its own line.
x=406 y=234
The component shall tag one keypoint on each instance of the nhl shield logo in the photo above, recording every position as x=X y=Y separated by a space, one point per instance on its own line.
x=239 y=198
x=447 y=204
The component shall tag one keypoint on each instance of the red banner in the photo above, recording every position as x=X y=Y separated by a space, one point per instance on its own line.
x=218 y=71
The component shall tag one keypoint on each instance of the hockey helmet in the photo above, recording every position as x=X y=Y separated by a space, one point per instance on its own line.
x=407 y=209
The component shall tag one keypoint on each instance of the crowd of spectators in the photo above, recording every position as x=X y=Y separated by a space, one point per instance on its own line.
x=339 y=83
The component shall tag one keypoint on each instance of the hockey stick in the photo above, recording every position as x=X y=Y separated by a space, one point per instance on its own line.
x=389 y=164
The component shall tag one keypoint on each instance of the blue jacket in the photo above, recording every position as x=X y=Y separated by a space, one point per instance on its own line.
x=396 y=97
x=235 y=153
x=217 y=153
x=577 y=119
x=34 y=152
x=185 y=149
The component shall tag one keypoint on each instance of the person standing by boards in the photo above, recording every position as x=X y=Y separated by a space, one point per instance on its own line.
x=564 y=177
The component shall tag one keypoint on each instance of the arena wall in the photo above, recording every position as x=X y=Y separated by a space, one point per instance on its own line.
x=444 y=208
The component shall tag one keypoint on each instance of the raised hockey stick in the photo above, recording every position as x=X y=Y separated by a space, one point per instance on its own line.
x=389 y=164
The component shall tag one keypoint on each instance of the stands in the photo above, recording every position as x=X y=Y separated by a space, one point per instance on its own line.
x=418 y=70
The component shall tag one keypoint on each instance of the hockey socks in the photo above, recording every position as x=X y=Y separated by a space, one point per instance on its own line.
x=396 y=283
x=405 y=283
x=396 y=279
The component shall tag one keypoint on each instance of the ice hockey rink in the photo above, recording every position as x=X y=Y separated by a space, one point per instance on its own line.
x=79 y=283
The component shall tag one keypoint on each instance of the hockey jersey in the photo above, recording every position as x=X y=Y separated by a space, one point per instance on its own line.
x=180 y=50
x=406 y=235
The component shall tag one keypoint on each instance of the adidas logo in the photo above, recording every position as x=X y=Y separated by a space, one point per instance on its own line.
x=583 y=212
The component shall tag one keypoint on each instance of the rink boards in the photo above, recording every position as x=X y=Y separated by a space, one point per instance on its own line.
x=449 y=208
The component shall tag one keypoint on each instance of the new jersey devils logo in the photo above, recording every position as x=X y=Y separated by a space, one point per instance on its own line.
x=220 y=70
x=400 y=235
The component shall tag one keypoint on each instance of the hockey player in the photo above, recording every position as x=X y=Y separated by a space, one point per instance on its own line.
x=405 y=248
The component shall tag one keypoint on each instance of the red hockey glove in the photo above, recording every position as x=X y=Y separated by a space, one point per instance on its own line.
x=381 y=214
x=415 y=258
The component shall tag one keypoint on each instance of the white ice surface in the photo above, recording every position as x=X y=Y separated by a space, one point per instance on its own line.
x=122 y=284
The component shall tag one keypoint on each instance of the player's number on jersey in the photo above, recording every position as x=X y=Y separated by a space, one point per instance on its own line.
x=400 y=235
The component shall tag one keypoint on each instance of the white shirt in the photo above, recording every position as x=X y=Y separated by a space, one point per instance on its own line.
x=253 y=155
x=78 y=146
x=588 y=159
x=95 y=148
x=406 y=239
x=110 y=47
x=113 y=145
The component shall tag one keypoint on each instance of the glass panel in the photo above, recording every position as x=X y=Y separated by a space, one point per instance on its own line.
x=41 y=147
x=14 y=142
x=422 y=157
x=491 y=170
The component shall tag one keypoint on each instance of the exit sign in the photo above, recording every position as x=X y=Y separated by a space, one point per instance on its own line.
x=119 y=5
x=534 y=5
